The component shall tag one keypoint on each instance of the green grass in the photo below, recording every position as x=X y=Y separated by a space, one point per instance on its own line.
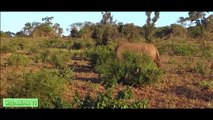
x=18 y=60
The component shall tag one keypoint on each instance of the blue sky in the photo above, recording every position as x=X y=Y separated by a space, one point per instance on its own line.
x=14 y=21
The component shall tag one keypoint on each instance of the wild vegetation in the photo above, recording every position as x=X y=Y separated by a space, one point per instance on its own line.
x=81 y=71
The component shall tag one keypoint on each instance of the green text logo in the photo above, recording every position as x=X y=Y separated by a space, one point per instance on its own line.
x=20 y=102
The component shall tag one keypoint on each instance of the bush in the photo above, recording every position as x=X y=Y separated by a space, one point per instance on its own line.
x=185 y=49
x=133 y=70
x=54 y=43
x=181 y=48
x=18 y=60
x=46 y=85
x=194 y=32
x=5 y=48
x=79 y=53
x=59 y=60
x=82 y=44
x=57 y=43
x=57 y=57
x=126 y=94
x=107 y=100
x=100 y=55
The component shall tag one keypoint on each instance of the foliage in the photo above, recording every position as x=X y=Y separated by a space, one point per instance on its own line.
x=6 y=34
x=46 y=85
x=150 y=26
x=44 y=30
x=130 y=32
x=106 y=30
x=183 y=50
x=58 y=58
x=162 y=32
x=100 y=55
x=194 y=32
x=7 y=48
x=133 y=70
x=107 y=100
x=178 y=30
x=18 y=60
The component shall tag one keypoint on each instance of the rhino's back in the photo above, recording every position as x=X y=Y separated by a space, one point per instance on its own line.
x=144 y=48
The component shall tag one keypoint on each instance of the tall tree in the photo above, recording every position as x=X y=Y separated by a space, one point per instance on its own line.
x=47 y=20
x=197 y=18
x=28 y=29
x=150 y=25
x=57 y=29
x=20 y=34
x=9 y=34
x=75 y=27
x=106 y=18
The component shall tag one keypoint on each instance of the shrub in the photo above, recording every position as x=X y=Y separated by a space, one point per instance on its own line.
x=107 y=100
x=133 y=70
x=57 y=57
x=82 y=44
x=57 y=43
x=100 y=55
x=5 y=48
x=59 y=60
x=194 y=32
x=54 y=43
x=46 y=85
x=77 y=45
x=184 y=50
x=79 y=53
x=18 y=60
x=126 y=94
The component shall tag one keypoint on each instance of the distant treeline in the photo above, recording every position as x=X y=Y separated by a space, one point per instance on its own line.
x=107 y=29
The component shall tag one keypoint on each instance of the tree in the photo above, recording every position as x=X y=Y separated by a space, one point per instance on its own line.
x=86 y=30
x=35 y=24
x=150 y=25
x=121 y=29
x=178 y=30
x=57 y=29
x=7 y=34
x=43 y=30
x=130 y=32
x=197 y=18
x=74 y=32
x=20 y=34
x=28 y=29
x=209 y=23
x=106 y=18
x=106 y=30
x=47 y=20
x=163 y=32
x=75 y=27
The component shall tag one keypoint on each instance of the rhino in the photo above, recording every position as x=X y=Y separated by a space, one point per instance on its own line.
x=141 y=48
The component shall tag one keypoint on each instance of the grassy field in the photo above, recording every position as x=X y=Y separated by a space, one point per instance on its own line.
x=60 y=73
